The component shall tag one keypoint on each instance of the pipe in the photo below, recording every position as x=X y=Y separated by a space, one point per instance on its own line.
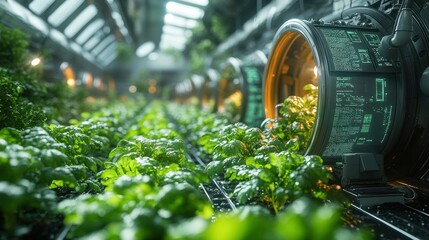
x=401 y=34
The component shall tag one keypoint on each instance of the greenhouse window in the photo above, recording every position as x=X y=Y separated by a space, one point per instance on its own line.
x=179 y=21
x=76 y=47
x=88 y=56
x=103 y=45
x=89 y=31
x=59 y=37
x=39 y=6
x=110 y=59
x=107 y=51
x=85 y=16
x=184 y=10
x=38 y=23
x=173 y=38
x=92 y=42
x=172 y=30
x=63 y=12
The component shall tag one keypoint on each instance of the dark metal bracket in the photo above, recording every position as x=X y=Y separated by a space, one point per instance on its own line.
x=364 y=182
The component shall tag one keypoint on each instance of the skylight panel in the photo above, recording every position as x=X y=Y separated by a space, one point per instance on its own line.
x=88 y=56
x=164 y=45
x=172 y=41
x=179 y=21
x=184 y=10
x=59 y=37
x=172 y=30
x=89 y=31
x=76 y=47
x=63 y=12
x=87 y=14
x=111 y=49
x=110 y=59
x=92 y=42
x=38 y=23
x=103 y=45
x=39 y=6
x=173 y=38
x=18 y=9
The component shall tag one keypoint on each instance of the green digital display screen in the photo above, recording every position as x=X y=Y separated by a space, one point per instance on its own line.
x=363 y=115
x=354 y=50
x=255 y=108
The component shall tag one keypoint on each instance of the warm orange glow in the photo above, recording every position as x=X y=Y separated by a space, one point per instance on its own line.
x=290 y=67
x=101 y=86
x=112 y=85
x=69 y=76
x=151 y=89
x=71 y=82
x=89 y=81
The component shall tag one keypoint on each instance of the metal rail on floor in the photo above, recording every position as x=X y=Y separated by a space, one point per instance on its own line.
x=214 y=190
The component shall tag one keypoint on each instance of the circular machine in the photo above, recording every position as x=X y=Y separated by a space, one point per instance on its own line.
x=207 y=94
x=240 y=89
x=368 y=102
x=183 y=91
x=187 y=90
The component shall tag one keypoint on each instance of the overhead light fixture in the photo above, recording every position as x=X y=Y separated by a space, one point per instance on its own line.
x=132 y=89
x=201 y=3
x=179 y=21
x=145 y=49
x=184 y=10
x=36 y=61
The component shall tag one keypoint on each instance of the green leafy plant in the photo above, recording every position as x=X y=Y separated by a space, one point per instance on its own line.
x=21 y=95
x=298 y=115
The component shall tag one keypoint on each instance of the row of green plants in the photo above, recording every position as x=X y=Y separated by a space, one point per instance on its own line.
x=125 y=176
x=151 y=192
x=267 y=167
x=150 y=187
x=40 y=166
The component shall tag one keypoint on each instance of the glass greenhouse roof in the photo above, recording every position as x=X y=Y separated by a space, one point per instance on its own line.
x=63 y=12
x=87 y=14
x=39 y=6
x=75 y=24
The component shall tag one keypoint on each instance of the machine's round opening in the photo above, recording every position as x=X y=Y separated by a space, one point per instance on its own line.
x=291 y=67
